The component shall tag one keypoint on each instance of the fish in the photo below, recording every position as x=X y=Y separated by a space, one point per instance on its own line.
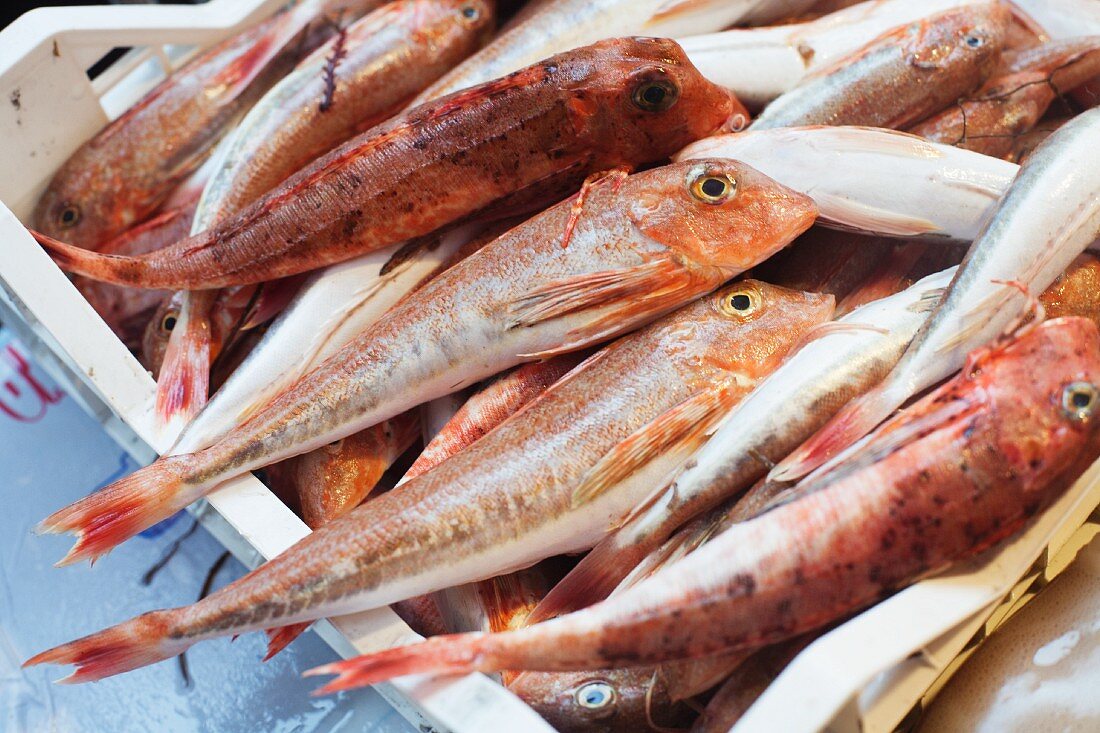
x=1024 y=145
x=846 y=358
x=874 y=181
x=1010 y=104
x=621 y=253
x=901 y=77
x=1049 y=216
x=336 y=478
x=966 y=467
x=559 y=25
x=760 y=64
x=531 y=136
x=347 y=86
x=123 y=174
x=506 y=501
x=491 y=406
x=332 y=308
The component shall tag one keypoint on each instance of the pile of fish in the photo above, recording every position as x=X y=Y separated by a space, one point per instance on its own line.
x=582 y=343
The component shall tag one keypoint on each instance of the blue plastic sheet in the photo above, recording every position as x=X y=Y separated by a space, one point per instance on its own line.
x=52 y=453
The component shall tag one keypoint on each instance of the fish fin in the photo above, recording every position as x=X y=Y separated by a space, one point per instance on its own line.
x=116 y=269
x=686 y=678
x=929 y=300
x=684 y=425
x=845 y=213
x=279 y=638
x=272 y=299
x=453 y=654
x=117 y=512
x=183 y=385
x=856 y=419
x=614 y=177
x=135 y=643
x=831 y=328
x=653 y=287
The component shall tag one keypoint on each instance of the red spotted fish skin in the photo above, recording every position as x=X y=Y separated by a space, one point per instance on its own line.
x=507 y=500
x=123 y=174
x=964 y=468
x=530 y=136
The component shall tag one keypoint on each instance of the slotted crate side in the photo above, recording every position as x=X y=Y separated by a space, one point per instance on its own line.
x=51 y=108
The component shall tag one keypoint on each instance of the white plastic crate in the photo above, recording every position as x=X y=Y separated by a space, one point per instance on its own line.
x=867 y=675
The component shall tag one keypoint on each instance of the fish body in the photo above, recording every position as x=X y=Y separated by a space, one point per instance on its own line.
x=559 y=25
x=623 y=252
x=901 y=77
x=1050 y=215
x=506 y=501
x=964 y=468
x=123 y=174
x=532 y=136
x=1012 y=103
x=874 y=181
x=799 y=397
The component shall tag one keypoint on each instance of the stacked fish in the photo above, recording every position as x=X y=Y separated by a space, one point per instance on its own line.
x=356 y=246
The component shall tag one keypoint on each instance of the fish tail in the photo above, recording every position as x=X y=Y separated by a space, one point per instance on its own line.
x=856 y=419
x=114 y=514
x=453 y=654
x=279 y=638
x=132 y=644
x=183 y=384
x=116 y=269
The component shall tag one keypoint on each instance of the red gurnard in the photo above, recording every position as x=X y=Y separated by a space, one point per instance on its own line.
x=530 y=137
x=964 y=468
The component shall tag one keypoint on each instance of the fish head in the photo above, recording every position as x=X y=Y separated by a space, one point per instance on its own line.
x=1076 y=292
x=718 y=212
x=472 y=20
x=604 y=701
x=964 y=40
x=74 y=209
x=154 y=343
x=639 y=100
x=1045 y=387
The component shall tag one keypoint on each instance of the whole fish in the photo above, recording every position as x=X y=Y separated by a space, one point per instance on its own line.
x=1010 y=104
x=531 y=136
x=123 y=174
x=559 y=25
x=760 y=64
x=334 y=306
x=874 y=181
x=901 y=77
x=491 y=406
x=963 y=469
x=845 y=359
x=1048 y=217
x=506 y=501
x=358 y=79
x=336 y=478
x=621 y=253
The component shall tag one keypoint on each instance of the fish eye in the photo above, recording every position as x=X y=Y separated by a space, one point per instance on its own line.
x=595 y=695
x=69 y=216
x=168 y=323
x=740 y=303
x=655 y=95
x=1079 y=400
x=974 y=40
x=713 y=188
x=469 y=12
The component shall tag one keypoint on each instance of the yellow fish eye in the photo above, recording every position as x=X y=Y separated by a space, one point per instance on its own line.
x=713 y=188
x=655 y=95
x=1079 y=400
x=69 y=216
x=168 y=323
x=741 y=303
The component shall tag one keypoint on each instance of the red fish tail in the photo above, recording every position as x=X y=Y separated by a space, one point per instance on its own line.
x=183 y=385
x=115 y=269
x=856 y=419
x=280 y=638
x=130 y=645
x=455 y=654
x=118 y=512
